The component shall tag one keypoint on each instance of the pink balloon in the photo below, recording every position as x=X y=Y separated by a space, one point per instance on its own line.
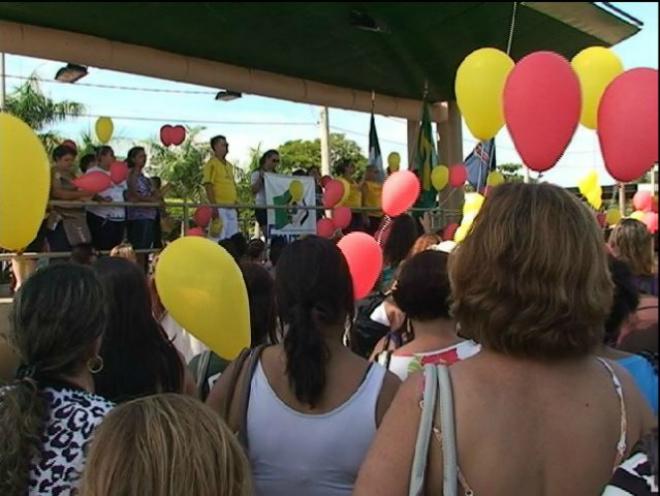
x=333 y=193
x=177 y=135
x=118 y=172
x=542 y=104
x=643 y=201
x=651 y=221
x=400 y=192
x=365 y=261
x=449 y=232
x=325 y=180
x=166 y=135
x=458 y=175
x=203 y=216
x=342 y=217
x=94 y=182
x=325 y=228
x=196 y=231
x=628 y=124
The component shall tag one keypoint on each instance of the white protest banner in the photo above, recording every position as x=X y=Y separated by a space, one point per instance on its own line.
x=292 y=191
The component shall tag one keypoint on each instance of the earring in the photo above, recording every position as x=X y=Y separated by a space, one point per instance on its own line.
x=95 y=365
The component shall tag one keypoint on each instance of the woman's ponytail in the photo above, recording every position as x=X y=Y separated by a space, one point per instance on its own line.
x=306 y=355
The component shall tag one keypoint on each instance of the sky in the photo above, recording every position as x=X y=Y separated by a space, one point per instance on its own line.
x=254 y=121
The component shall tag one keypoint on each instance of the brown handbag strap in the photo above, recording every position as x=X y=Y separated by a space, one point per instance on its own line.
x=235 y=374
x=245 y=394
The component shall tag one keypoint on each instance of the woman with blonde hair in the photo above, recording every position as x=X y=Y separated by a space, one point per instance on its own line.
x=124 y=250
x=535 y=412
x=166 y=445
x=631 y=242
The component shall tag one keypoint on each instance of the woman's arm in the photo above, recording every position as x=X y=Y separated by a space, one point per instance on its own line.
x=258 y=184
x=132 y=194
x=386 y=470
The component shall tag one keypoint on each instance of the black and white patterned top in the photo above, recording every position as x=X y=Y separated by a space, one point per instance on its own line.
x=72 y=416
x=634 y=477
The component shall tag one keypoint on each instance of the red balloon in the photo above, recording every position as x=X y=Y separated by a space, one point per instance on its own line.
x=196 y=231
x=458 y=175
x=643 y=201
x=628 y=124
x=602 y=219
x=203 y=216
x=325 y=228
x=333 y=193
x=342 y=217
x=651 y=221
x=70 y=144
x=94 y=182
x=178 y=135
x=449 y=232
x=365 y=261
x=118 y=172
x=400 y=192
x=325 y=180
x=166 y=135
x=542 y=104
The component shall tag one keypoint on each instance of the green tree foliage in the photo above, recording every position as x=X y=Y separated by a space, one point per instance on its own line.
x=30 y=104
x=303 y=154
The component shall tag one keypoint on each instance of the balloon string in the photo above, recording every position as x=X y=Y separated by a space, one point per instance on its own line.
x=512 y=28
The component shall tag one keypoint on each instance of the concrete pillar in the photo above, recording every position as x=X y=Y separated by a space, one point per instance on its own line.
x=450 y=152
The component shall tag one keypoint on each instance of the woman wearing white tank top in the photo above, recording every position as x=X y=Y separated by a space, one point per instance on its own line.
x=313 y=406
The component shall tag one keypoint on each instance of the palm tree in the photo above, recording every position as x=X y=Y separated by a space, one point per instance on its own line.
x=29 y=103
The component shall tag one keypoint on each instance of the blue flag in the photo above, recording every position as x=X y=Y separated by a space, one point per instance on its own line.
x=479 y=163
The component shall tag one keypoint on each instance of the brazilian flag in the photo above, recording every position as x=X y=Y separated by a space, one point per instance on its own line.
x=425 y=160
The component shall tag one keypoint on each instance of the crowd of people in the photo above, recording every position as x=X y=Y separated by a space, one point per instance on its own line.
x=552 y=368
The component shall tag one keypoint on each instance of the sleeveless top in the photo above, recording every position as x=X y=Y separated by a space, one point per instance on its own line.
x=72 y=415
x=621 y=446
x=294 y=453
x=144 y=188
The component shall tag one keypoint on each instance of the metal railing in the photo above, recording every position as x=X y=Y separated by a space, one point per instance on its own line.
x=440 y=217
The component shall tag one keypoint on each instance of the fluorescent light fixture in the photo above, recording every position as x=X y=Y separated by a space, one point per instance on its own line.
x=71 y=73
x=227 y=96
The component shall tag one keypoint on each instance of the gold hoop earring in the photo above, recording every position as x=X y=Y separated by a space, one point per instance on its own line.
x=95 y=365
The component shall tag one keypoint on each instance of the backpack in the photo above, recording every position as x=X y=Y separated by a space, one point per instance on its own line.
x=366 y=333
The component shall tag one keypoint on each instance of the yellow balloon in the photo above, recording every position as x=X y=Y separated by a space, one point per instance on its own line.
x=613 y=216
x=440 y=177
x=104 y=129
x=637 y=215
x=24 y=183
x=347 y=191
x=202 y=287
x=215 y=229
x=595 y=197
x=596 y=67
x=479 y=87
x=462 y=232
x=473 y=203
x=297 y=190
x=588 y=183
x=495 y=179
x=394 y=161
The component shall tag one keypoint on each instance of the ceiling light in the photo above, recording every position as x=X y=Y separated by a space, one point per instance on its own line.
x=71 y=73
x=227 y=96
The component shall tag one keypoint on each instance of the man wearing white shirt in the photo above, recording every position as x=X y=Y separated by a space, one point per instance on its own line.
x=107 y=224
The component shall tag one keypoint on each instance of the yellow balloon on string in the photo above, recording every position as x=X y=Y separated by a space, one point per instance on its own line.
x=440 y=177
x=495 y=178
x=595 y=197
x=588 y=183
x=24 y=183
x=394 y=161
x=200 y=284
x=104 y=129
x=596 y=67
x=613 y=216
